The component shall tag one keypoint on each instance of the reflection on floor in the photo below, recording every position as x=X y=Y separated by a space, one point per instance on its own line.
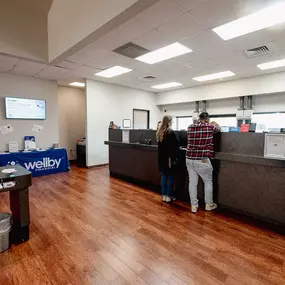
x=90 y=229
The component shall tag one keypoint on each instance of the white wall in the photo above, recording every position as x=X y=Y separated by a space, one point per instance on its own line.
x=261 y=103
x=72 y=118
x=108 y=102
x=177 y=110
x=223 y=106
x=269 y=103
x=214 y=107
x=265 y=84
x=70 y=21
x=27 y=87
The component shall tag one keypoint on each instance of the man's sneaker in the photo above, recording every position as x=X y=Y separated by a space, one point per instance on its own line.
x=211 y=207
x=194 y=209
x=168 y=199
x=173 y=198
x=164 y=198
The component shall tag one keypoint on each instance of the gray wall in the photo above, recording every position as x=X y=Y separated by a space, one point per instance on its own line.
x=72 y=118
x=23 y=28
x=28 y=87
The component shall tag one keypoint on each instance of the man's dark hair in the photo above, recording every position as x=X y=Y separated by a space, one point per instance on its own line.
x=204 y=116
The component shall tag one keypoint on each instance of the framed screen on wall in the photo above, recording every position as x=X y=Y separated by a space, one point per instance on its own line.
x=27 y=109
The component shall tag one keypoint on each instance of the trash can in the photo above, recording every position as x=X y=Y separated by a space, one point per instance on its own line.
x=5 y=228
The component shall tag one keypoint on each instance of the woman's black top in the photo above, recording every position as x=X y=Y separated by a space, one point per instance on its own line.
x=168 y=151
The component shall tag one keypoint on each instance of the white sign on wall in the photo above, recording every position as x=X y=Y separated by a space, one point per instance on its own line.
x=6 y=129
x=274 y=146
x=37 y=128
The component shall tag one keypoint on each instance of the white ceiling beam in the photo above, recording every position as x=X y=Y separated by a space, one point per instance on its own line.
x=74 y=24
x=265 y=84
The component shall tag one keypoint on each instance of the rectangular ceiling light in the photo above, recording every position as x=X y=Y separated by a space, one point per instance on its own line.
x=271 y=64
x=164 y=53
x=214 y=76
x=113 y=71
x=262 y=19
x=77 y=84
x=167 y=85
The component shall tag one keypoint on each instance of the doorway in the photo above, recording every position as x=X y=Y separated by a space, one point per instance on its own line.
x=140 y=119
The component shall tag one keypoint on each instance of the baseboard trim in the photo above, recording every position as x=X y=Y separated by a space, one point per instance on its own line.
x=97 y=166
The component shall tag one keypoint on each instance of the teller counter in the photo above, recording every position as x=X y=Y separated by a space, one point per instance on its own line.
x=244 y=181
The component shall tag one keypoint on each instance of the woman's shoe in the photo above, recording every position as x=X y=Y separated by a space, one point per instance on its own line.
x=168 y=199
x=164 y=198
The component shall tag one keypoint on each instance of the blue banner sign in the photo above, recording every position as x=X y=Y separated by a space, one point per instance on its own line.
x=39 y=163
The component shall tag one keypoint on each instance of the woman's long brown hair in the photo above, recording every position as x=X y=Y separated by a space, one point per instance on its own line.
x=164 y=128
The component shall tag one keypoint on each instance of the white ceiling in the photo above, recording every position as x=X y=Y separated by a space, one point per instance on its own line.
x=187 y=21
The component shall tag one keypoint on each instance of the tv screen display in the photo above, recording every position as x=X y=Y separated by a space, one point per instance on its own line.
x=21 y=108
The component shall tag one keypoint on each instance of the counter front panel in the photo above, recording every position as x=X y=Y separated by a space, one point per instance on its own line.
x=244 y=181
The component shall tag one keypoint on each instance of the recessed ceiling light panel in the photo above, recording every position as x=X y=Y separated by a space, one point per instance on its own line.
x=167 y=85
x=271 y=64
x=113 y=71
x=77 y=84
x=262 y=19
x=214 y=76
x=164 y=53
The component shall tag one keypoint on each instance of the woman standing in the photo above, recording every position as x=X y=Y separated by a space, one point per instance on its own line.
x=168 y=147
x=158 y=125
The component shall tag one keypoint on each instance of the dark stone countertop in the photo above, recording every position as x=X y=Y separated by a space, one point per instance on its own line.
x=133 y=145
x=243 y=158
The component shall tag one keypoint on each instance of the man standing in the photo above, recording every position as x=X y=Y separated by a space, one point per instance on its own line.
x=200 y=151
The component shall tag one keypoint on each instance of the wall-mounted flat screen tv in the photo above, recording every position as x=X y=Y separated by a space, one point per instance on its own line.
x=27 y=109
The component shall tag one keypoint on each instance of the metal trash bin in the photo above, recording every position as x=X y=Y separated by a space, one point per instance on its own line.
x=5 y=228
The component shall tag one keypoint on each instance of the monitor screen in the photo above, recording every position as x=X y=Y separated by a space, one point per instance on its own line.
x=20 y=108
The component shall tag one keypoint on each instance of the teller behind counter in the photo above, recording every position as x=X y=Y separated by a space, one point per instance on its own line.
x=244 y=180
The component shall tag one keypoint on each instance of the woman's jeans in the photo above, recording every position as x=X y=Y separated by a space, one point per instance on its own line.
x=167 y=182
x=204 y=169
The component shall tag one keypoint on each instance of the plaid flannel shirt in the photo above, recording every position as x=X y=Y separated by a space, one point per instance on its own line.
x=201 y=140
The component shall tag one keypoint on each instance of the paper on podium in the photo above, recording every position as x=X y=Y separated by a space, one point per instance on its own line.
x=9 y=170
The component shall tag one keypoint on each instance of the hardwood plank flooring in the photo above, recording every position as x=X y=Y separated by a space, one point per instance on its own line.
x=88 y=228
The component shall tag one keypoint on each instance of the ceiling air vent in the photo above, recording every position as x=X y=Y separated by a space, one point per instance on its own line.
x=257 y=51
x=131 y=50
x=149 y=78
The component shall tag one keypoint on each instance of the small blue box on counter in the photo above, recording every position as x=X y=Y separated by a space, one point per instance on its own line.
x=234 y=129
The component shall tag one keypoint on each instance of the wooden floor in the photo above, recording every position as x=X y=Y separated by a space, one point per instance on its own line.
x=87 y=228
